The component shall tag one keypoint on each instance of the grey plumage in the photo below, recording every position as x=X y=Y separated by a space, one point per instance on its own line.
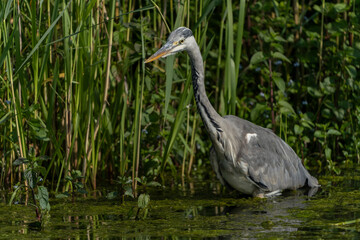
x=247 y=157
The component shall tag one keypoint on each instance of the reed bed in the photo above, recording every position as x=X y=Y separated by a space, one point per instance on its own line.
x=75 y=93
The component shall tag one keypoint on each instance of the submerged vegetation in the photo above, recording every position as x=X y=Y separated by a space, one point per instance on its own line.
x=200 y=212
x=78 y=105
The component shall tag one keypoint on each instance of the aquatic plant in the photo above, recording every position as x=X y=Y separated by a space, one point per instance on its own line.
x=73 y=186
x=31 y=185
x=143 y=206
x=125 y=188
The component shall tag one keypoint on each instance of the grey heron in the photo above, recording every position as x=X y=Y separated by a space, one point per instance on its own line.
x=244 y=156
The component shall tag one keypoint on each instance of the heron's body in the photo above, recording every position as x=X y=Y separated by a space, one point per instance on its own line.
x=264 y=162
x=247 y=157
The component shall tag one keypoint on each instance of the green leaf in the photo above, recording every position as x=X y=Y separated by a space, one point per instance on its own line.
x=256 y=111
x=327 y=87
x=138 y=180
x=44 y=158
x=333 y=132
x=14 y=194
x=5 y=117
x=20 y=161
x=319 y=134
x=340 y=7
x=175 y=128
x=78 y=185
x=337 y=170
x=272 y=32
x=326 y=113
x=128 y=191
x=281 y=56
x=317 y=8
x=43 y=192
x=5 y=50
x=305 y=139
x=351 y=71
x=280 y=83
x=280 y=39
x=76 y=174
x=7 y=11
x=38 y=129
x=88 y=8
x=307 y=124
x=82 y=191
x=328 y=153
x=239 y=38
x=40 y=170
x=143 y=200
x=112 y=195
x=287 y=106
x=337 y=28
x=43 y=196
x=128 y=180
x=153 y=184
x=314 y=92
x=257 y=58
x=30 y=177
x=44 y=205
x=298 y=129
x=169 y=68
x=339 y=113
x=69 y=178
x=62 y=195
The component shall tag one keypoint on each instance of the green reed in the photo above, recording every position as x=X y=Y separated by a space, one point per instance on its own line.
x=74 y=86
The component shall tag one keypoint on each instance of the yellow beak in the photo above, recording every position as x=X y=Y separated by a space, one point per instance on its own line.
x=163 y=51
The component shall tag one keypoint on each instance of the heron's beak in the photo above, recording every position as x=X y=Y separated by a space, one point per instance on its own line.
x=162 y=52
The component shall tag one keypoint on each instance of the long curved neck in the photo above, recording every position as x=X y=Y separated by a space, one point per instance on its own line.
x=210 y=117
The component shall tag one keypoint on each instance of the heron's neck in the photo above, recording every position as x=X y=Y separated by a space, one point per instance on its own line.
x=210 y=117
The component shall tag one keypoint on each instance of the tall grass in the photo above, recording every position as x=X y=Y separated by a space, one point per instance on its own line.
x=74 y=86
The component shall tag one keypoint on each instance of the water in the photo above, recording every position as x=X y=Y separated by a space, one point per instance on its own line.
x=197 y=211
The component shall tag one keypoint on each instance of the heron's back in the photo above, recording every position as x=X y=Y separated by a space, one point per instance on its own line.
x=271 y=163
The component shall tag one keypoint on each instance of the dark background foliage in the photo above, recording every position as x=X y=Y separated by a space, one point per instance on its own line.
x=76 y=95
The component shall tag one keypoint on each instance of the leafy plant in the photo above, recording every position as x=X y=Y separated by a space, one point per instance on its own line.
x=74 y=184
x=125 y=188
x=31 y=185
x=143 y=206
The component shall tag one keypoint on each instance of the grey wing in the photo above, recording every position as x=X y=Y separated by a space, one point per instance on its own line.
x=272 y=163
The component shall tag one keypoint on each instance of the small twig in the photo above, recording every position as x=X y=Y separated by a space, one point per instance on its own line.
x=347 y=222
x=36 y=207
x=272 y=98
x=321 y=41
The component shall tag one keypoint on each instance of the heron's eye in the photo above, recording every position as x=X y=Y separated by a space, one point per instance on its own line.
x=181 y=41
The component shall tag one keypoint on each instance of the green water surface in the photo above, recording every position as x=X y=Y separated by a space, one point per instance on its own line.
x=196 y=211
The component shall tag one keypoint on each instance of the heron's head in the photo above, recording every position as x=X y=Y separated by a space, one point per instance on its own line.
x=176 y=42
